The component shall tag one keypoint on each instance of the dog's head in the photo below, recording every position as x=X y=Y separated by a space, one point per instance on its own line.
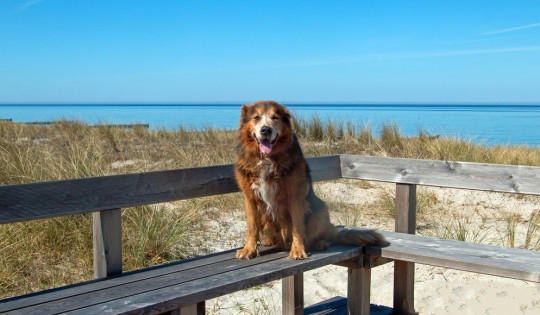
x=266 y=123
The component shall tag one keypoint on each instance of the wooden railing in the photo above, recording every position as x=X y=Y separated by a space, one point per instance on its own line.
x=105 y=196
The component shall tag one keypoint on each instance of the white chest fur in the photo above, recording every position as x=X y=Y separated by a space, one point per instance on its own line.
x=265 y=188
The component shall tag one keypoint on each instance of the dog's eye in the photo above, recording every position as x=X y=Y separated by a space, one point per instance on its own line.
x=275 y=117
x=257 y=118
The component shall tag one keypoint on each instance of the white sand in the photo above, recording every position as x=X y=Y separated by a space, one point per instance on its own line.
x=437 y=290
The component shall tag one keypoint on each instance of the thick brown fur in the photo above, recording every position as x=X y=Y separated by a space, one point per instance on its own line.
x=282 y=209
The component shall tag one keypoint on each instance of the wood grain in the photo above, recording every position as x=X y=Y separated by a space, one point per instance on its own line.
x=51 y=199
x=172 y=290
x=107 y=239
x=404 y=271
x=485 y=259
x=292 y=294
x=475 y=176
x=358 y=290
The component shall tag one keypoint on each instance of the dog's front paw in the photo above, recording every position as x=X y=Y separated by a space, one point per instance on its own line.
x=298 y=252
x=247 y=253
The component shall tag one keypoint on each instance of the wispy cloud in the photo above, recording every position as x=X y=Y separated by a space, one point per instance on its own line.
x=512 y=29
x=414 y=55
x=344 y=60
x=26 y=5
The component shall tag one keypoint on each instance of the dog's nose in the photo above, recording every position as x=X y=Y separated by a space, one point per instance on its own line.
x=266 y=131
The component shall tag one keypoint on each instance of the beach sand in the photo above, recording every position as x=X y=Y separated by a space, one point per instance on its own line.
x=437 y=290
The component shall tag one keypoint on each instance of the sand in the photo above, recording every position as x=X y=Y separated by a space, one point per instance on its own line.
x=437 y=290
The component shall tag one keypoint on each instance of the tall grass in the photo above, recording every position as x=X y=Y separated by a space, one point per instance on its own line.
x=47 y=253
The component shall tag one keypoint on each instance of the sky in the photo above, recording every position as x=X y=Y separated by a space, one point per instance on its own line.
x=160 y=51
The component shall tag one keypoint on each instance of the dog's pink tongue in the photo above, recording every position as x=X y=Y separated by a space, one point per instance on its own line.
x=265 y=146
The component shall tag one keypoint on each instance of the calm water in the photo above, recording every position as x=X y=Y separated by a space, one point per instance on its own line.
x=490 y=124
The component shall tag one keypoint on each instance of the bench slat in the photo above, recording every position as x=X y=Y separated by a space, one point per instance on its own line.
x=185 y=287
x=485 y=259
x=52 y=199
x=141 y=280
x=459 y=247
x=463 y=175
x=216 y=285
x=118 y=280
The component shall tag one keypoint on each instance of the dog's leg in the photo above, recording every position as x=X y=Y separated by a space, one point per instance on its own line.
x=298 y=230
x=320 y=233
x=253 y=224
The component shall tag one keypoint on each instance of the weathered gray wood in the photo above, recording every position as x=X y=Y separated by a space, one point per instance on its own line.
x=175 y=290
x=123 y=126
x=405 y=208
x=51 y=199
x=404 y=271
x=292 y=294
x=475 y=176
x=189 y=266
x=486 y=259
x=107 y=239
x=359 y=290
x=324 y=168
x=193 y=309
x=403 y=287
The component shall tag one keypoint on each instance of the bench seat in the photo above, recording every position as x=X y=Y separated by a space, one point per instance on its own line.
x=172 y=286
x=480 y=258
x=186 y=283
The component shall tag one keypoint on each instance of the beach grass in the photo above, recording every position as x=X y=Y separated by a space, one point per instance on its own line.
x=48 y=253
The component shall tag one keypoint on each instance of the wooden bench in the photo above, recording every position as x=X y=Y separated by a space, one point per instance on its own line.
x=178 y=286
x=187 y=284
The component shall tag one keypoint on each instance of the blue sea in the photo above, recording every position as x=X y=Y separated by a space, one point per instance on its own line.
x=486 y=124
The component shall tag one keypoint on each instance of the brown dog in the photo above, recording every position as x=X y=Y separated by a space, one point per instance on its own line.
x=282 y=209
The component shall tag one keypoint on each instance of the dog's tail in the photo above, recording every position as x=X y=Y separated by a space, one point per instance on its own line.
x=359 y=237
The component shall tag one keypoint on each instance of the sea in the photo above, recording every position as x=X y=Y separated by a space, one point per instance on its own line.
x=482 y=124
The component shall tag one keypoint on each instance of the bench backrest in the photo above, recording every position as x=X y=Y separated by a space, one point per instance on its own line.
x=51 y=199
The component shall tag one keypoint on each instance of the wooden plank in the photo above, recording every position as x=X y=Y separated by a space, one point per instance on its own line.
x=123 y=126
x=51 y=199
x=193 y=309
x=107 y=239
x=485 y=259
x=404 y=271
x=454 y=247
x=165 y=293
x=359 y=290
x=405 y=208
x=292 y=294
x=404 y=287
x=464 y=175
x=324 y=168
x=66 y=292
x=125 y=285
x=189 y=266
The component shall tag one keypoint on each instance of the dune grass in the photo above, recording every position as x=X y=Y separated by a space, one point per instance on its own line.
x=47 y=253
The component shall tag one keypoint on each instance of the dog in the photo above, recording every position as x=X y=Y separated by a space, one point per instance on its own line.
x=281 y=208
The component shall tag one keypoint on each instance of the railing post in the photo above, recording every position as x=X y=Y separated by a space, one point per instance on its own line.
x=292 y=294
x=107 y=243
x=404 y=271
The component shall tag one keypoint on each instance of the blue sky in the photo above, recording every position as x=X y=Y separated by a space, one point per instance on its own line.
x=64 y=51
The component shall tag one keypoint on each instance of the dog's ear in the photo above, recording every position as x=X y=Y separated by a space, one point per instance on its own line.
x=286 y=114
x=244 y=116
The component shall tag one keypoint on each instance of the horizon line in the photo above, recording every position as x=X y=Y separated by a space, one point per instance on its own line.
x=279 y=101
